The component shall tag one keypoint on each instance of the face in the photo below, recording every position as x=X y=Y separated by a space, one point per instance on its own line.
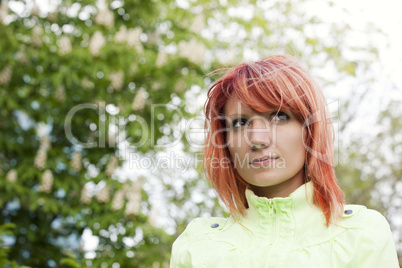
x=266 y=148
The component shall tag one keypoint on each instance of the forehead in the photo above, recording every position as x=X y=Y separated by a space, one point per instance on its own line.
x=236 y=106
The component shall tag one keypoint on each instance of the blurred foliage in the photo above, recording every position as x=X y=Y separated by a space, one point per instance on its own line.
x=371 y=171
x=99 y=70
x=6 y=229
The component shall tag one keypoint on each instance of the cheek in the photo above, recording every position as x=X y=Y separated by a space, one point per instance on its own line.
x=298 y=145
x=303 y=140
x=235 y=145
x=292 y=140
x=231 y=145
x=231 y=141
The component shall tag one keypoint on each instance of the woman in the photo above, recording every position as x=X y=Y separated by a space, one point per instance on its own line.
x=269 y=156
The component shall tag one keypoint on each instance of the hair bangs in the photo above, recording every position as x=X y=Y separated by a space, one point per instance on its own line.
x=264 y=87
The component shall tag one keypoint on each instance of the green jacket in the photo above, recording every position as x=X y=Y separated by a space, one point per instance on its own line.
x=287 y=232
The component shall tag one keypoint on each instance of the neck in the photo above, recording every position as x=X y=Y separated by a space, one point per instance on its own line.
x=283 y=189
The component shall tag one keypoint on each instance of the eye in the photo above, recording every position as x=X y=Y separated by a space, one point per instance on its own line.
x=279 y=117
x=239 y=122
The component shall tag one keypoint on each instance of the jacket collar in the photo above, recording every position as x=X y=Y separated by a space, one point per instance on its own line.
x=292 y=212
x=301 y=195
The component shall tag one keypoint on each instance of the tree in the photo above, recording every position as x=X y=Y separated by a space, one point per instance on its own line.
x=62 y=82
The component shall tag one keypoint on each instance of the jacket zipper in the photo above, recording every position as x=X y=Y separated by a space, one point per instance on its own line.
x=267 y=252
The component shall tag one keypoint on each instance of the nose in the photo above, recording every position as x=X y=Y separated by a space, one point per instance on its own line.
x=259 y=134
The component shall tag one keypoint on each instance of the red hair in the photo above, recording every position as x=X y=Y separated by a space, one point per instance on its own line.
x=276 y=82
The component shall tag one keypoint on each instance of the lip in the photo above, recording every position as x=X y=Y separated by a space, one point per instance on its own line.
x=264 y=160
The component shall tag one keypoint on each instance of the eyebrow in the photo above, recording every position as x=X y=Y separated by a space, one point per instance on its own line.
x=238 y=114
x=249 y=114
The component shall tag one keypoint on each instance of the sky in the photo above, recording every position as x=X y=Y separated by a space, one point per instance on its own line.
x=386 y=15
x=387 y=69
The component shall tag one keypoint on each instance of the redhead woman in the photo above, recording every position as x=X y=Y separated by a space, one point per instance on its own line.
x=268 y=154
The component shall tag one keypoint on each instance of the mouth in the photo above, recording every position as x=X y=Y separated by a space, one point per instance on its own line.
x=264 y=160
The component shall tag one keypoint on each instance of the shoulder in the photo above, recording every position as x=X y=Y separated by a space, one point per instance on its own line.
x=360 y=217
x=369 y=236
x=203 y=226
x=187 y=247
x=365 y=227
